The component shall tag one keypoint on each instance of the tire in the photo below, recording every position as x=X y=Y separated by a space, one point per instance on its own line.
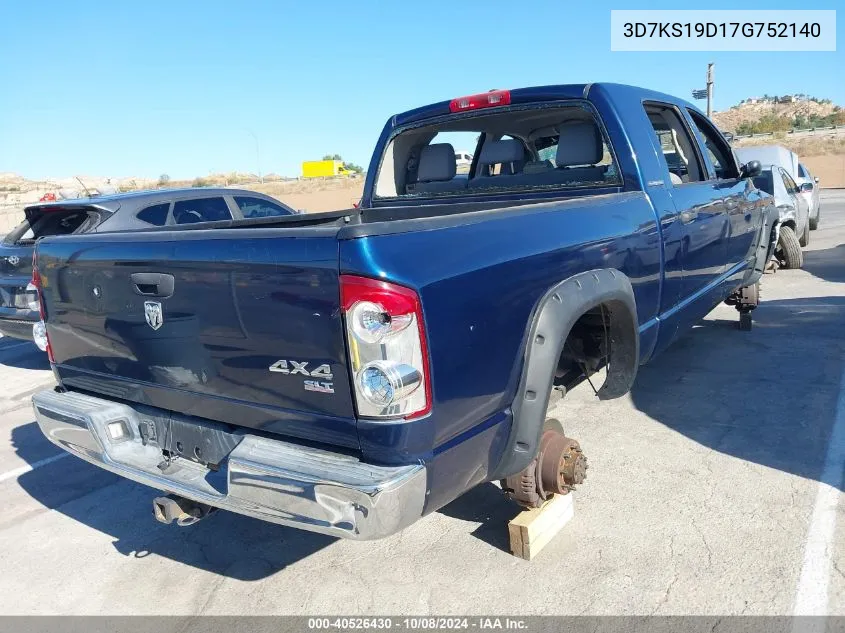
x=805 y=237
x=789 y=249
x=814 y=221
x=745 y=321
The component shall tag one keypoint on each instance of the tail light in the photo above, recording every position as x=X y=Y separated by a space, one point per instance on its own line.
x=387 y=348
x=39 y=330
x=483 y=100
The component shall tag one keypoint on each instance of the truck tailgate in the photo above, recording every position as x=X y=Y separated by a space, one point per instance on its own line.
x=199 y=322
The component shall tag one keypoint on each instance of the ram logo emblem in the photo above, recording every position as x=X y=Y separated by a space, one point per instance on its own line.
x=153 y=314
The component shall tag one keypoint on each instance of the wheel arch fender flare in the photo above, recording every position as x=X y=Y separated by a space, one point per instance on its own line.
x=550 y=325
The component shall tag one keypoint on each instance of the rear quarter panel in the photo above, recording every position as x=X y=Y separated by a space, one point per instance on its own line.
x=480 y=281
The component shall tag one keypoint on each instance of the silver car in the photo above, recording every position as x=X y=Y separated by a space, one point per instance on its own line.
x=794 y=213
x=812 y=196
x=120 y=212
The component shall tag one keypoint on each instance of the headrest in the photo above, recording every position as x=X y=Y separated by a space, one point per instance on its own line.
x=579 y=144
x=537 y=166
x=504 y=151
x=543 y=132
x=437 y=162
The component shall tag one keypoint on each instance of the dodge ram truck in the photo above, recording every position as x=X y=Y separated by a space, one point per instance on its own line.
x=352 y=371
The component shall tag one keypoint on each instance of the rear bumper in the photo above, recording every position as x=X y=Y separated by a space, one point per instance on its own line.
x=267 y=479
x=16 y=327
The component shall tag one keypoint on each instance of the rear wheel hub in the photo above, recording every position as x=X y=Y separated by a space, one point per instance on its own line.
x=559 y=466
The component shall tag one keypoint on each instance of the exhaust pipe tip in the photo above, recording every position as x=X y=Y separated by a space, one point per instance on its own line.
x=184 y=511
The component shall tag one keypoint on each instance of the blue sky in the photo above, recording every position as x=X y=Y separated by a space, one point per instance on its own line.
x=144 y=88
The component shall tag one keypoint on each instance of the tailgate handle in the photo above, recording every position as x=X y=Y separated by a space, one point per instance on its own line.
x=153 y=284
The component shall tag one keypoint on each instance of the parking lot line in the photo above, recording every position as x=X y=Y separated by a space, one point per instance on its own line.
x=812 y=593
x=17 y=472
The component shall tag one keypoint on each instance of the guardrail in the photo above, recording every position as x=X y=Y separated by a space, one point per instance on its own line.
x=808 y=131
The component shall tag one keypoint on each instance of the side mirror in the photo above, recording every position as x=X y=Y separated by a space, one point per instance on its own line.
x=805 y=187
x=751 y=169
x=816 y=179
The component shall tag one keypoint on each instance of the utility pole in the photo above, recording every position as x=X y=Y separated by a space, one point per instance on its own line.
x=710 y=89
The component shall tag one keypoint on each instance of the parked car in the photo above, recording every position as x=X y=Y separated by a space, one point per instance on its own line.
x=812 y=196
x=119 y=212
x=794 y=216
x=349 y=372
x=789 y=161
x=463 y=160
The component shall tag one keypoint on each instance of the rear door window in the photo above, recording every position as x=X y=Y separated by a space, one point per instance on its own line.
x=716 y=146
x=155 y=215
x=200 y=210
x=260 y=208
x=677 y=146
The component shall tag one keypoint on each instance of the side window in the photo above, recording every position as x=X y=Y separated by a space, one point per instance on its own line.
x=200 y=210
x=717 y=147
x=155 y=215
x=802 y=172
x=260 y=208
x=676 y=145
x=790 y=185
x=764 y=182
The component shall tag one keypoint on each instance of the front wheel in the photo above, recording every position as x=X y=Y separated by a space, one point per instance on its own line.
x=805 y=236
x=789 y=249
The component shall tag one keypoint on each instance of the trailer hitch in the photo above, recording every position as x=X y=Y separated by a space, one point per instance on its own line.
x=184 y=511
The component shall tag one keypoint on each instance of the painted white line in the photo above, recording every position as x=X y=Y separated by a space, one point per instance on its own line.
x=782 y=304
x=17 y=472
x=811 y=594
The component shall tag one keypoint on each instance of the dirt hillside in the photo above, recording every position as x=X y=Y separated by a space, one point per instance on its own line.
x=729 y=120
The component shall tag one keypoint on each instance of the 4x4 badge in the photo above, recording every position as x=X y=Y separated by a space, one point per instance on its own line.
x=153 y=314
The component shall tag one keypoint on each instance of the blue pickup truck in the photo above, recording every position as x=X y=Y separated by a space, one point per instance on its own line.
x=350 y=372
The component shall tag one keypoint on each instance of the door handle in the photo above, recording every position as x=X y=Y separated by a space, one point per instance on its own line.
x=153 y=284
x=688 y=216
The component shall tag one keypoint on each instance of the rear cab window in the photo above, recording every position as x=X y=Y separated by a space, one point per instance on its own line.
x=195 y=210
x=533 y=148
x=260 y=208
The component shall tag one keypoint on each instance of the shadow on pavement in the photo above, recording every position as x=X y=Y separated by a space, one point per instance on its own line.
x=768 y=396
x=224 y=543
x=485 y=504
x=827 y=264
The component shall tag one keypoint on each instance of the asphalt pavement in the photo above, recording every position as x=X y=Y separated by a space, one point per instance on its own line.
x=715 y=487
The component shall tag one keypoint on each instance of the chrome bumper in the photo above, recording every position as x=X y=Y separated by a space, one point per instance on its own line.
x=267 y=479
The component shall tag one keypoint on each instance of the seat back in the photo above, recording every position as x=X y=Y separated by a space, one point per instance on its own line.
x=436 y=170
